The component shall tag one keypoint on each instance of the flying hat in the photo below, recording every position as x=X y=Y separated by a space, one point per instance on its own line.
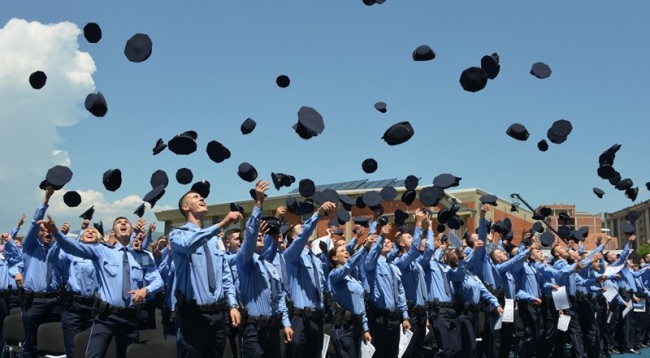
x=96 y=104
x=138 y=48
x=92 y=32
x=473 y=79
x=423 y=53
x=37 y=79
x=398 y=133
x=310 y=123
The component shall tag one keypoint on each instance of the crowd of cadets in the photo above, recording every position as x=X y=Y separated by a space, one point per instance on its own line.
x=274 y=282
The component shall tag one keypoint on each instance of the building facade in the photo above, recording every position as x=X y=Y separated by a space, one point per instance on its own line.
x=614 y=220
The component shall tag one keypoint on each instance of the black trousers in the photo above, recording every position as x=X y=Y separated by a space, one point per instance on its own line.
x=589 y=326
x=261 y=341
x=170 y=325
x=347 y=340
x=385 y=333
x=550 y=316
x=626 y=326
x=468 y=331
x=446 y=328
x=529 y=315
x=419 y=328
x=491 y=339
x=4 y=312
x=307 y=338
x=105 y=327
x=36 y=311
x=601 y=312
x=507 y=336
x=75 y=318
x=573 y=334
x=202 y=334
x=613 y=322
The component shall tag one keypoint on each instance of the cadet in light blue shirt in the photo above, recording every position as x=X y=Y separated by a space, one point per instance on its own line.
x=78 y=287
x=203 y=283
x=41 y=304
x=261 y=291
x=306 y=288
x=387 y=299
x=124 y=283
x=350 y=321
x=412 y=256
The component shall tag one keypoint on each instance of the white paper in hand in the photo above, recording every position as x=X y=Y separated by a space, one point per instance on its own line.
x=497 y=326
x=563 y=322
x=610 y=293
x=628 y=308
x=367 y=350
x=404 y=339
x=561 y=299
x=509 y=311
x=326 y=344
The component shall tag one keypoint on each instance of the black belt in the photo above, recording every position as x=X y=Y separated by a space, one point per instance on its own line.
x=308 y=313
x=130 y=312
x=263 y=321
x=345 y=317
x=386 y=313
x=7 y=293
x=437 y=303
x=416 y=310
x=68 y=297
x=497 y=292
x=35 y=294
x=220 y=306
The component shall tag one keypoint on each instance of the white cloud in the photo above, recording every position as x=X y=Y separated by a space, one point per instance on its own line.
x=105 y=211
x=29 y=118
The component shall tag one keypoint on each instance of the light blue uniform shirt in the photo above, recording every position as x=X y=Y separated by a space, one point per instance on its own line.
x=8 y=269
x=410 y=264
x=35 y=256
x=260 y=287
x=527 y=283
x=77 y=274
x=167 y=272
x=303 y=268
x=386 y=289
x=347 y=291
x=188 y=253
x=472 y=290
x=109 y=267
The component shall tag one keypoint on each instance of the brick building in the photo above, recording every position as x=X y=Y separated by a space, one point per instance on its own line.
x=466 y=199
x=578 y=220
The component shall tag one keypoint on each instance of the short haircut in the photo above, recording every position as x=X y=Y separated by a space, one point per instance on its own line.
x=120 y=217
x=226 y=236
x=180 y=202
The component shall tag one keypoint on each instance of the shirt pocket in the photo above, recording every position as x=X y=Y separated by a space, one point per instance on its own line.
x=137 y=273
x=198 y=258
x=111 y=268
x=83 y=272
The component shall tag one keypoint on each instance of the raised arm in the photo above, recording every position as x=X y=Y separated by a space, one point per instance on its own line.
x=247 y=249
x=70 y=246
x=292 y=253
x=338 y=274
x=30 y=241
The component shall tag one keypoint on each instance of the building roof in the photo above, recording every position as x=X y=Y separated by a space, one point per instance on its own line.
x=363 y=184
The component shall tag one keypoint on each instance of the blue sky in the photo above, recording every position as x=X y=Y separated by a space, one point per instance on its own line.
x=214 y=64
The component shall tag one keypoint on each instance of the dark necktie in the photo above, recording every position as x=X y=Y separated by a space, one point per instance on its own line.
x=274 y=293
x=316 y=277
x=422 y=283
x=395 y=286
x=212 y=281
x=126 y=276
x=283 y=266
x=48 y=274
